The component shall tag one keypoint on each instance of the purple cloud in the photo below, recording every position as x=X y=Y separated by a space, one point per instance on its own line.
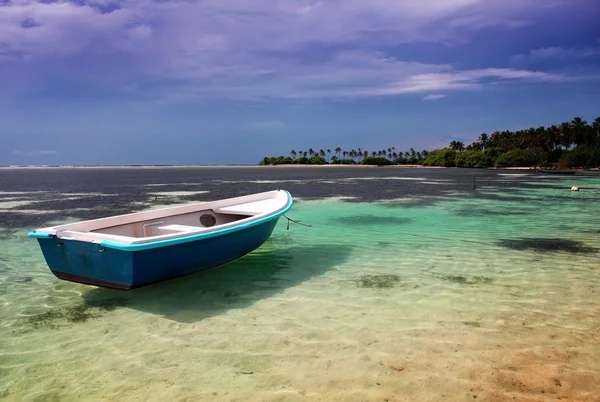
x=238 y=50
x=554 y=52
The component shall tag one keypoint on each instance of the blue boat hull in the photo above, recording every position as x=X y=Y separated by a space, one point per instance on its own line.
x=96 y=264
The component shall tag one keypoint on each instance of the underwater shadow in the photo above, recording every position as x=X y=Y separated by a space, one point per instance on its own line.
x=259 y=275
x=547 y=245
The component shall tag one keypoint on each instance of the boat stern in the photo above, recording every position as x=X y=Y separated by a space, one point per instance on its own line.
x=87 y=263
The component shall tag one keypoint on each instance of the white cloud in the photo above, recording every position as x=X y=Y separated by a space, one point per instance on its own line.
x=433 y=97
x=35 y=153
x=556 y=53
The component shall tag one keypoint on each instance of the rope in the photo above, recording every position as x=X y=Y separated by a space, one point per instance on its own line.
x=296 y=222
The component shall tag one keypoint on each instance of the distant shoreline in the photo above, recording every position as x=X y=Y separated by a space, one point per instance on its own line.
x=355 y=166
x=295 y=166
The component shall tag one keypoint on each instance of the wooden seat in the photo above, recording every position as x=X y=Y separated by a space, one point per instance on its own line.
x=180 y=228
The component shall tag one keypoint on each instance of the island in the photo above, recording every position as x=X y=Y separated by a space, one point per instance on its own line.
x=572 y=144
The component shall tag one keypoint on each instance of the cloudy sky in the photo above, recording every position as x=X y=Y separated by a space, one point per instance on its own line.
x=229 y=81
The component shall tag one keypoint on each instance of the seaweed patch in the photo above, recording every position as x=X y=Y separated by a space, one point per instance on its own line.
x=548 y=245
x=381 y=281
x=466 y=280
x=385 y=244
x=58 y=317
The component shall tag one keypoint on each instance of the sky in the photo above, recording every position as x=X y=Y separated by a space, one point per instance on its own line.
x=231 y=81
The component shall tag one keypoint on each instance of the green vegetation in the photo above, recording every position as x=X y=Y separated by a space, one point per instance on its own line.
x=569 y=144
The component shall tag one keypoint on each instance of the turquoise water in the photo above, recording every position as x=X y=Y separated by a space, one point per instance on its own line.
x=442 y=298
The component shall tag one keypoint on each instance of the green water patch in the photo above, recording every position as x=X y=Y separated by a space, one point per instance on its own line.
x=547 y=245
x=412 y=203
x=7 y=234
x=376 y=281
x=363 y=220
x=57 y=317
x=481 y=212
x=503 y=197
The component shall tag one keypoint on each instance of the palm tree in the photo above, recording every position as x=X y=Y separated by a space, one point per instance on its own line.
x=496 y=139
x=311 y=151
x=337 y=151
x=565 y=138
x=293 y=153
x=373 y=154
x=328 y=155
x=578 y=127
x=551 y=137
x=596 y=131
x=483 y=140
x=457 y=145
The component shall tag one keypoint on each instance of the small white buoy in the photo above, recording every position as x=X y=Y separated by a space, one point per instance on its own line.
x=574 y=188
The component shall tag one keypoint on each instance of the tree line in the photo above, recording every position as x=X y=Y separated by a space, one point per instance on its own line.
x=387 y=156
x=569 y=144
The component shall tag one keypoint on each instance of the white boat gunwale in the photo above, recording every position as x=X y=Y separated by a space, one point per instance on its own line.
x=230 y=206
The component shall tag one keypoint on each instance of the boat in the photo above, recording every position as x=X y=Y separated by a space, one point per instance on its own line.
x=143 y=248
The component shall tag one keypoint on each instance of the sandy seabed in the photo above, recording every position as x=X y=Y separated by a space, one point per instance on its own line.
x=455 y=301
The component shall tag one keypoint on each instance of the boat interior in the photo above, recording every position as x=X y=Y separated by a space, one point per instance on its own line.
x=188 y=222
x=173 y=222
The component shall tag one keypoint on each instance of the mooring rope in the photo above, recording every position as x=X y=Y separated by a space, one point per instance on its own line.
x=296 y=222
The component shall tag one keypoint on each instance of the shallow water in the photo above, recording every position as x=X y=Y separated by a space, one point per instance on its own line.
x=425 y=292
